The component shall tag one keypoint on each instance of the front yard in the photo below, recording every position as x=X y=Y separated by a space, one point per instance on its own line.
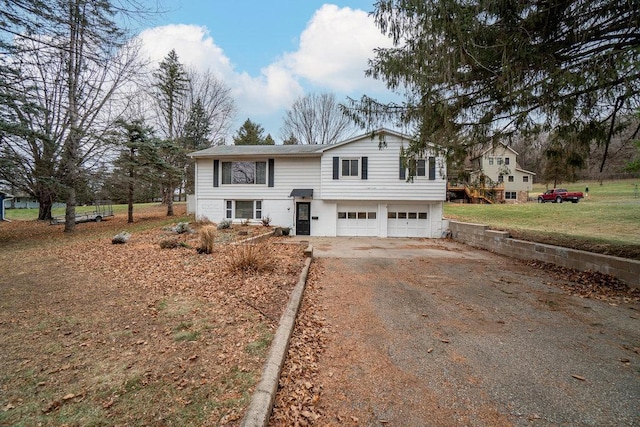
x=100 y=334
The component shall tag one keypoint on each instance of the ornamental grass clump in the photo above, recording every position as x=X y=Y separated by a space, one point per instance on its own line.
x=251 y=257
x=207 y=239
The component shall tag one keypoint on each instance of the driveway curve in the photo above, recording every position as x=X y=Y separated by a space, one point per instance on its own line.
x=435 y=333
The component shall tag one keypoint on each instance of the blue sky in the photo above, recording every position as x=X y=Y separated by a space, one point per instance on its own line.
x=270 y=52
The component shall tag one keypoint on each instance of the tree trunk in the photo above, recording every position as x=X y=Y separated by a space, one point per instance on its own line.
x=44 y=208
x=169 y=198
x=130 y=195
x=70 y=211
x=72 y=144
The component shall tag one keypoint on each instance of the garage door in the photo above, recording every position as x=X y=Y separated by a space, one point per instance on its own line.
x=407 y=221
x=357 y=220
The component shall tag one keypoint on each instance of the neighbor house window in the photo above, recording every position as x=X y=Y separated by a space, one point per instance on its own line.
x=510 y=195
x=244 y=209
x=525 y=179
x=510 y=178
x=506 y=160
x=244 y=172
x=500 y=178
x=499 y=160
x=490 y=160
x=350 y=167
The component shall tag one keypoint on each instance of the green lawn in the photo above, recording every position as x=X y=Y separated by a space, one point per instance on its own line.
x=31 y=214
x=610 y=215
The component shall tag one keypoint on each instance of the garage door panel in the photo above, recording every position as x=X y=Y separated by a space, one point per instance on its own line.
x=360 y=220
x=407 y=221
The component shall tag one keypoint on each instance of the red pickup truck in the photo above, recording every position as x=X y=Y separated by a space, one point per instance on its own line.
x=559 y=195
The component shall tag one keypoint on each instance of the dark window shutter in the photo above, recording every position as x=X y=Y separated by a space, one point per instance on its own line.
x=216 y=173
x=432 y=168
x=403 y=170
x=365 y=168
x=272 y=171
x=336 y=167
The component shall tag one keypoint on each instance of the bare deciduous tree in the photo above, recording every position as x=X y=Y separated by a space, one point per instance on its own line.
x=316 y=119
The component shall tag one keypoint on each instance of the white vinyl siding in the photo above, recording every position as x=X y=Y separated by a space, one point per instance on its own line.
x=383 y=182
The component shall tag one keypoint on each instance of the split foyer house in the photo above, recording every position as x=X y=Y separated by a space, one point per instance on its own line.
x=352 y=188
x=500 y=165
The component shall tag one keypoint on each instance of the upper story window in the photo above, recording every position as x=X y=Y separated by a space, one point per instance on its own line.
x=506 y=160
x=499 y=160
x=244 y=172
x=421 y=168
x=491 y=161
x=510 y=178
x=350 y=168
x=525 y=178
x=500 y=178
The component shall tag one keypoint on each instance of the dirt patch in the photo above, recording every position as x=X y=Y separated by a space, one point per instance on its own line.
x=101 y=334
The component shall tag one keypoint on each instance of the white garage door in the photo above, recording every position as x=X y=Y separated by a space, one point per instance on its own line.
x=407 y=221
x=357 y=220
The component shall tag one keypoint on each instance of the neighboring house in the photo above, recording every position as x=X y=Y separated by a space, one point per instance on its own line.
x=24 y=201
x=3 y=196
x=352 y=188
x=500 y=165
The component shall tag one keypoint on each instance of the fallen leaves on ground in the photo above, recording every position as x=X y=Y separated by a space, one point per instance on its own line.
x=134 y=334
x=299 y=390
x=590 y=284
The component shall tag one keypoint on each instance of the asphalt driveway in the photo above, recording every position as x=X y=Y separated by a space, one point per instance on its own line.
x=431 y=332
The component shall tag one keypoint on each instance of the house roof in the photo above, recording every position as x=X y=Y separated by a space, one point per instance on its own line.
x=493 y=148
x=258 y=150
x=284 y=150
x=524 y=171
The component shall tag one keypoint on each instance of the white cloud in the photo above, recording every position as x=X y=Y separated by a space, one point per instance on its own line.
x=273 y=89
x=334 y=49
x=331 y=57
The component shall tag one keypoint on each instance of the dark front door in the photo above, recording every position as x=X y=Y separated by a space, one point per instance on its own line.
x=303 y=219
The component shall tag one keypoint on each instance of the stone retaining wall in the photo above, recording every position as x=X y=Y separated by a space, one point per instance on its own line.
x=480 y=236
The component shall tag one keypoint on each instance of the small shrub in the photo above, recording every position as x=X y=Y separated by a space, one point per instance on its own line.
x=266 y=221
x=225 y=224
x=169 y=243
x=251 y=257
x=207 y=239
x=182 y=227
x=120 y=238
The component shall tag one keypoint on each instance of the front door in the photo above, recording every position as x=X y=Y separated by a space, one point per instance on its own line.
x=303 y=219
